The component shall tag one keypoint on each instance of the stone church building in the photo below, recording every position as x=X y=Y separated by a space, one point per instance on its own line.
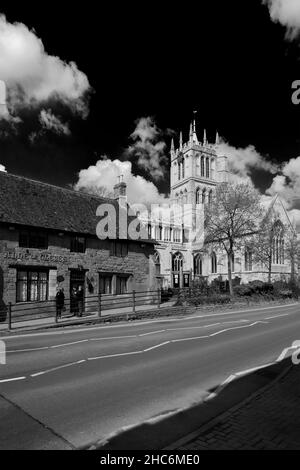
x=196 y=169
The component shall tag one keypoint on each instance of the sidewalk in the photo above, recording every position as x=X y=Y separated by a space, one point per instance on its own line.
x=71 y=319
x=268 y=420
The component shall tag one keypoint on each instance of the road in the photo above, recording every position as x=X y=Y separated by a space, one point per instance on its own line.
x=65 y=389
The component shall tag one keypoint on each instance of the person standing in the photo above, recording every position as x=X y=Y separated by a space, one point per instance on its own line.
x=80 y=300
x=60 y=302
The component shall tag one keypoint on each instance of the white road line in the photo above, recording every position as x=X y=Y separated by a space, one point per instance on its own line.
x=157 y=346
x=68 y=344
x=58 y=368
x=236 y=328
x=113 y=337
x=142 y=323
x=15 y=379
x=152 y=333
x=188 y=339
x=277 y=316
x=114 y=355
x=27 y=350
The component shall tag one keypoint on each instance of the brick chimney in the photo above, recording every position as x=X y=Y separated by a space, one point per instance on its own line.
x=120 y=189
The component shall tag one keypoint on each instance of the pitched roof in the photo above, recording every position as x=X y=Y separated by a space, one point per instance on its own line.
x=32 y=203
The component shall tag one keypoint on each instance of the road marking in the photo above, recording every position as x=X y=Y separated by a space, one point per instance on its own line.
x=57 y=368
x=69 y=344
x=114 y=355
x=112 y=337
x=15 y=379
x=152 y=333
x=236 y=328
x=27 y=350
x=157 y=346
x=142 y=323
x=277 y=316
x=188 y=339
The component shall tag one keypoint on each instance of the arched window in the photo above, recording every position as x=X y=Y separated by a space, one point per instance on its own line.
x=156 y=259
x=248 y=259
x=177 y=262
x=202 y=166
x=167 y=234
x=158 y=232
x=204 y=196
x=183 y=168
x=214 y=264
x=198 y=265
x=210 y=194
x=207 y=168
x=177 y=235
x=278 y=243
x=198 y=196
x=197 y=165
x=179 y=171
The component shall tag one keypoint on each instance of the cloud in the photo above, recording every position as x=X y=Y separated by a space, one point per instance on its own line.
x=287 y=13
x=148 y=149
x=2 y=168
x=34 y=77
x=104 y=175
x=287 y=183
x=241 y=161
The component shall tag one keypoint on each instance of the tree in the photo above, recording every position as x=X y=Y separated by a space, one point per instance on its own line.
x=232 y=215
x=291 y=250
x=262 y=242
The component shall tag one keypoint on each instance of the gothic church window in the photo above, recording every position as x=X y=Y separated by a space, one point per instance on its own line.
x=198 y=265
x=207 y=168
x=177 y=262
x=214 y=266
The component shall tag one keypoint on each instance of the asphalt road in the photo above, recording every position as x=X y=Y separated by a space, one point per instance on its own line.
x=68 y=388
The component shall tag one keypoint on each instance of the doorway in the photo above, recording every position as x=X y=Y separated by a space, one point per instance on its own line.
x=77 y=282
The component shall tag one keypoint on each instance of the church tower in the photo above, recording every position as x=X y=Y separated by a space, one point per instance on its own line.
x=196 y=169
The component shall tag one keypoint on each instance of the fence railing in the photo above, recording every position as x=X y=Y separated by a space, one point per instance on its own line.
x=93 y=305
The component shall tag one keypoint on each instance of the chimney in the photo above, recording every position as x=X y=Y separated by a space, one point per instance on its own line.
x=120 y=189
x=3 y=106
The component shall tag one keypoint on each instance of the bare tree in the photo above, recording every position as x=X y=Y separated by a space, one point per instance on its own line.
x=261 y=243
x=232 y=215
x=291 y=250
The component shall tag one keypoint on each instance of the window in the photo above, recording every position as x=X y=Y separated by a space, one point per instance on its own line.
x=214 y=264
x=210 y=194
x=177 y=235
x=202 y=166
x=77 y=244
x=157 y=264
x=149 y=231
x=278 y=243
x=177 y=262
x=183 y=168
x=105 y=284
x=203 y=196
x=158 y=232
x=198 y=265
x=32 y=286
x=119 y=249
x=33 y=239
x=179 y=170
x=198 y=196
x=167 y=234
x=121 y=284
x=248 y=260
x=207 y=168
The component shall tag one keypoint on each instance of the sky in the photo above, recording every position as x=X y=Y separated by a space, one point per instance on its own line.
x=96 y=91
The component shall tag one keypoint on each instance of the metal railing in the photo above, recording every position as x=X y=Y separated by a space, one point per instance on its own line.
x=93 y=306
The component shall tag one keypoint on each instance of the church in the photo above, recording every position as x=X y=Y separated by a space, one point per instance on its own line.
x=196 y=168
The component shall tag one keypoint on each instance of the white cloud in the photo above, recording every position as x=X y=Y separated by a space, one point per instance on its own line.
x=50 y=122
x=149 y=148
x=2 y=168
x=104 y=175
x=287 y=13
x=32 y=76
x=241 y=161
x=287 y=184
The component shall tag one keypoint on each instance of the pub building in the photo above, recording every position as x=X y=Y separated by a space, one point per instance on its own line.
x=48 y=241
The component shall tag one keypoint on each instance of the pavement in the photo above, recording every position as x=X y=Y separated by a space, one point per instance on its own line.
x=268 y=420
x=80 y=387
